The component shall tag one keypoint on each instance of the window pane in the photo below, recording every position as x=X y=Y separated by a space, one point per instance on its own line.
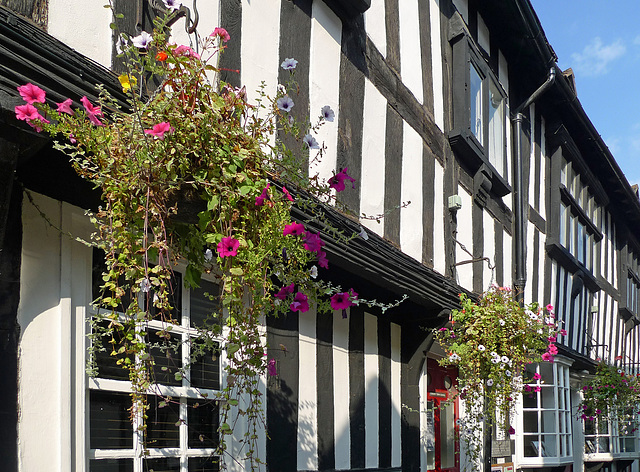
x=106 y=363
x=111 y=465
x=163 y=429
x=167 y=356
x=562 y=230
x=531 y=446
x=475 y=95
x=547 y=396
x=204 y=464
x=430 y=437
x=162 y=464
x=110 y=427
x=496 y=130
x=205 y=366
x=549 y=448
x=203 y=304
x=202 y=423
x=175 y=300
x=447 y=436
x=530 y=421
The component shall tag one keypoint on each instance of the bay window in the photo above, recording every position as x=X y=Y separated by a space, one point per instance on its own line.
x=478 y=135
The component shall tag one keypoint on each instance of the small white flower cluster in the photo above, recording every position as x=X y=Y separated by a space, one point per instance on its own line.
x=496 y=359
x=454 y=357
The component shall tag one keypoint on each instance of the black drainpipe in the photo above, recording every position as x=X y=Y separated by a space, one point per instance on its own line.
x=519 y=210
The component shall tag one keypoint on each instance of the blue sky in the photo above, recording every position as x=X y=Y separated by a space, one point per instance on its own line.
x=600 y=40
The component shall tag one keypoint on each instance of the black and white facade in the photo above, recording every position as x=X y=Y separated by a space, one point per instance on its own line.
x=439 y=103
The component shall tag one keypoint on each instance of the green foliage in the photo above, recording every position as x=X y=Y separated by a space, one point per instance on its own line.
x=491 y=341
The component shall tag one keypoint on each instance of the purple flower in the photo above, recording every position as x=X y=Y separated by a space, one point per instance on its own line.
x=142 y=41
x=327 y=113
x=312 y=242
x=228 y=247
x=289 y=64
x=322 y=260
x=284 y=292
x=337 y=181
x=342 y=300
x=263 y=196
x=285 y=103
x=300 y=303
x=310 y=141
x=172 y=5
x=286 y=193
x=271 y=368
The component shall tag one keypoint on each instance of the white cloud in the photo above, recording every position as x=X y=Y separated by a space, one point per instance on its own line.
x=596 y=57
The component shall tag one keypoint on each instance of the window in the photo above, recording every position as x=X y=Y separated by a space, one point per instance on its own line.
x=545 y=436
x=479 y=115
x=182 y=420
x=602 y=436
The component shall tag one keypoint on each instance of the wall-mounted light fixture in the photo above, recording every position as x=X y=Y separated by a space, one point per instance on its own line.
x=454 y=202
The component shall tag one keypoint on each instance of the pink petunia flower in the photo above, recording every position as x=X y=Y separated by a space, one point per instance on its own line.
x=27 y=112
x=91 y=109
x=222 y=33
x=228 y=247
x=547 y=357
x=342 y=300
x=337 y=182
x=300 y=303
x=271 y=368
x=563 y=332
x=65 y=107
x=537 y=376
x=286 y=193
x=294 y=229
x=159 y=130
x=511 y=430
x=285 y=291
x=549 y=307
x=185 y=51
x=312 y=242
x=32 y=93
x=263 y=196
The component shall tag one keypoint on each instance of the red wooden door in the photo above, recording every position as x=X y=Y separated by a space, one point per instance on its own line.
x=442 y=413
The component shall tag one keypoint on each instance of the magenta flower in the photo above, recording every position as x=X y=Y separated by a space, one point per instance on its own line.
x=300 y=303
x=294 y=229
x=94 y=120
x=228 y=247
x=159 y=130
x=549 y=307
x=286 y=193
x=342 y=300
x=552 y=339
x=322 y=260
x=553 y=350
x=537 y=376
x=537 y=388
x=563 y=332
x=285 y=291
x=312 y=242
x=271 y=368
x=547 y=357
x=511 y=430
x=91 y=109
x=222 y=33
x=65 y=107
x=27 y=112
x=263 y=196
x=337 y=181
x=32 y=93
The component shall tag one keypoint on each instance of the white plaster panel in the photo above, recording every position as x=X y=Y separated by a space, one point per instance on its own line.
x=542 y=277
x=375 y=25
x=259 y=47
x=483 y=35
x=371 y=404
x=324 y=82
x=84 y=26
x=40 y=364
x=465 y=236
x=436 y=63
x=531 y=265
x=308 y=393
x=410 y=56
x=411 y=224
x=543 y=169
x=438 y=220
x=373 y=159
x=489 y=250
x=396 y=402
x=506 y=259
x=532 y=155
x=463 y=8
x=341 y=424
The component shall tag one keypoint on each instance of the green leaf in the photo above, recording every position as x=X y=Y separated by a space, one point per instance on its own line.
x=233 y=402
x=245 y=189
x=213 y=202
x=232 y=349
x=236 y=271
x=178 y=376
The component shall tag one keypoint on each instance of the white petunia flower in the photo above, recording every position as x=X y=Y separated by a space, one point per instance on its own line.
x=481 y=348
x=490 y=383
x=310 y=141
x=289 y=63
x=172 y=5
x=142 y=41
x=285 y=103
x=327 y=113
x=504 y=359
x=208 y=255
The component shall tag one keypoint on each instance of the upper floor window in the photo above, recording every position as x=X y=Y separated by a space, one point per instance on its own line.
x=479 y=114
